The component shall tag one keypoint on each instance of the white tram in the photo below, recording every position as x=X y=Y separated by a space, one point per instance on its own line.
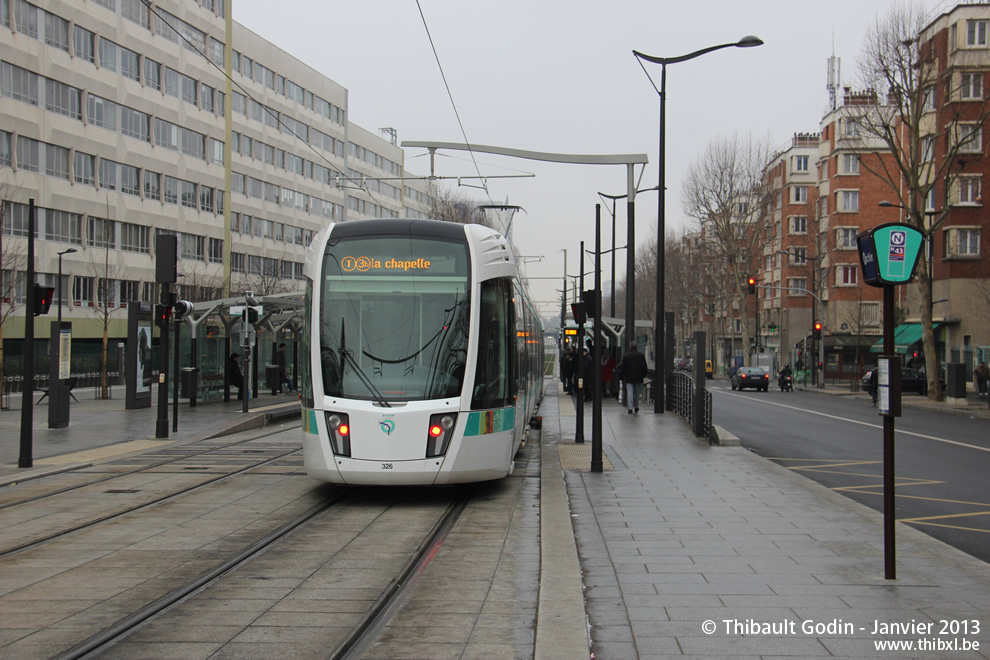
x=424 y=357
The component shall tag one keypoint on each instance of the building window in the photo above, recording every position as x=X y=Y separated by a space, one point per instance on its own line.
x=845 y=238
x=976 y=33
x=28 y=154
x=928 y=99
x=798 y=256
x=927 y=148
x=850 y=163
x=128 y=291
x=82 y=44
x=970 y=189
x=799 y=224
x=970 y=138
x=216 y=251
x=135 y=238
x=83 y=170
x=852 y=128
x=82 y=291
x=19 y=84
x=847 y=276
x=848 y=201
x=797 y=286
x=799 y=195
x=972 y=86
x=63 y=227
x=102 y=233
x=800 y=163
x=962 y=242
x=152 y=74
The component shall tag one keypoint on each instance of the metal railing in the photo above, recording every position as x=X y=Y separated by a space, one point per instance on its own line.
x=680 y=399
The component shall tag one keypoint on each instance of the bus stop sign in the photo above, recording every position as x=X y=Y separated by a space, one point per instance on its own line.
x=888 y=253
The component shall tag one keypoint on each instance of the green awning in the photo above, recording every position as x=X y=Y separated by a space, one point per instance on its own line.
x=906 y=335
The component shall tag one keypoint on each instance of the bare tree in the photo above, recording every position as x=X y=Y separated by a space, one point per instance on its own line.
x=451 y=207
x=920 y=130
x=13 y=259
x=106 y=276
x=727 y=193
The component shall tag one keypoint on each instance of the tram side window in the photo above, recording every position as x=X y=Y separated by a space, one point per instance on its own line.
x=494 y=380
x=306 y=380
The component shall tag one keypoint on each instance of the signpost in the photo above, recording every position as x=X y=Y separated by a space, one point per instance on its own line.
x=888 y=254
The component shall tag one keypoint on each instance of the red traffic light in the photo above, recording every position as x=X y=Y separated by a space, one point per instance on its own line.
x=818 y=326
x=42 y=299
x=752 y=284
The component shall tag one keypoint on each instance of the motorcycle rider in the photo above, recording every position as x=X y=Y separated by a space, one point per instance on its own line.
x=785 y=373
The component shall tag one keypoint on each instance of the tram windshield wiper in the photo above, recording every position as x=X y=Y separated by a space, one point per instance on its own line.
x=348 y=357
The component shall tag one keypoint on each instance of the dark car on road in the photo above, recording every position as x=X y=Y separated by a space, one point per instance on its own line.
x=753 y=377
x=912 y=380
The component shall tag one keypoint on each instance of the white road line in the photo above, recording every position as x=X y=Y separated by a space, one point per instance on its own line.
x=854 y=421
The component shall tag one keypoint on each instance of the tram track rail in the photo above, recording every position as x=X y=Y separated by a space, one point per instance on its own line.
x=360 y=635
x=142 y=468
x=62 y=533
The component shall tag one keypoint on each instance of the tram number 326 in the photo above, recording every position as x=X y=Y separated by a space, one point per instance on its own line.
x=387 y=466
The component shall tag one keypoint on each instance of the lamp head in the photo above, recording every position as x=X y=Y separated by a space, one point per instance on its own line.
x=67 y=251
x=749 y=41
x=887 y=204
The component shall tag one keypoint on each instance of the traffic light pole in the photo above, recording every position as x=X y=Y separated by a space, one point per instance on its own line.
x=26 y=458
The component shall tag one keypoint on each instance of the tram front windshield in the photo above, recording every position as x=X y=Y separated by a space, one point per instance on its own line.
x=394 y=318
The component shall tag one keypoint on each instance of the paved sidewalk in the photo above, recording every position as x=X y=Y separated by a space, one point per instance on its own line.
x=691 y=550
x=104 y=428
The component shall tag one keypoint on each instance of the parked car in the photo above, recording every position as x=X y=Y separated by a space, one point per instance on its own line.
x=912 y=380
x=709 y=371
x=754 y=377
x=681 y=363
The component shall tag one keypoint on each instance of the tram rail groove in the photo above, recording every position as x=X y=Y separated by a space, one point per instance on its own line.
x=379 y=613
x=105 y=639
x=118 y=475
x=8 y=552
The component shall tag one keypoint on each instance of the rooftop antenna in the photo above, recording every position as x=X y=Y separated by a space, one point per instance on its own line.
x=834 y=78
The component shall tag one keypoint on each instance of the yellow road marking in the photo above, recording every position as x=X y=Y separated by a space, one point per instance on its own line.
x=948 y=515
x=964 y=529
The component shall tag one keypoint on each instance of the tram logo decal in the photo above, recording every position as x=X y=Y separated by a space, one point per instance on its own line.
x=387 y=426
x=490 y=421
x=309 y=422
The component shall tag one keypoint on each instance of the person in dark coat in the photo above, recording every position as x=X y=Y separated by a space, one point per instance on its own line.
x=283 y=374
x=236 y=377
x=568 y=367
x=633 y=368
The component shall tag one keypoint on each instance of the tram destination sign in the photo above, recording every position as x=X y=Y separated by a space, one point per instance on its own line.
x=888 y=253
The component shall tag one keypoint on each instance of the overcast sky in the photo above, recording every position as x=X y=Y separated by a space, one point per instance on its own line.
x=560 y=77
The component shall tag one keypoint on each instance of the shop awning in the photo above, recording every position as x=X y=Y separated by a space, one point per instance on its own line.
x=906 y=335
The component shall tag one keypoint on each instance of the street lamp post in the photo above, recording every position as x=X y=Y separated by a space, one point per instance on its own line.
x=63 y=252
x=58 y=410
x=658 y=331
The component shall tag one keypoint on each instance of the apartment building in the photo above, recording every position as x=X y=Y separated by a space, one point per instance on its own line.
x=957 y=43
x=115 y=124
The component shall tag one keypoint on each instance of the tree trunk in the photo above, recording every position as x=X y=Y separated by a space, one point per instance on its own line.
x=927 y=332
x=104 y=393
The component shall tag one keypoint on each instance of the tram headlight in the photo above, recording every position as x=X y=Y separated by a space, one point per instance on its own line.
x=339 y=427
x=439 y=433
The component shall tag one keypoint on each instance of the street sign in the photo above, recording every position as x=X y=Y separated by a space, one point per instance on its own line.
x=888 y=253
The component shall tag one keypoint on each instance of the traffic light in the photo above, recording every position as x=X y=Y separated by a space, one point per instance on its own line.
x=817 y=333
x=590 y=300
x=42 y=299
x=163 y=314
x=752 y=284
x=181 y=308
x=578 y=312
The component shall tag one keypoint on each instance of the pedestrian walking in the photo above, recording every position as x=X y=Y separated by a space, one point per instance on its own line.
x=633 y=368
x=283 y=374
x=982 y=375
